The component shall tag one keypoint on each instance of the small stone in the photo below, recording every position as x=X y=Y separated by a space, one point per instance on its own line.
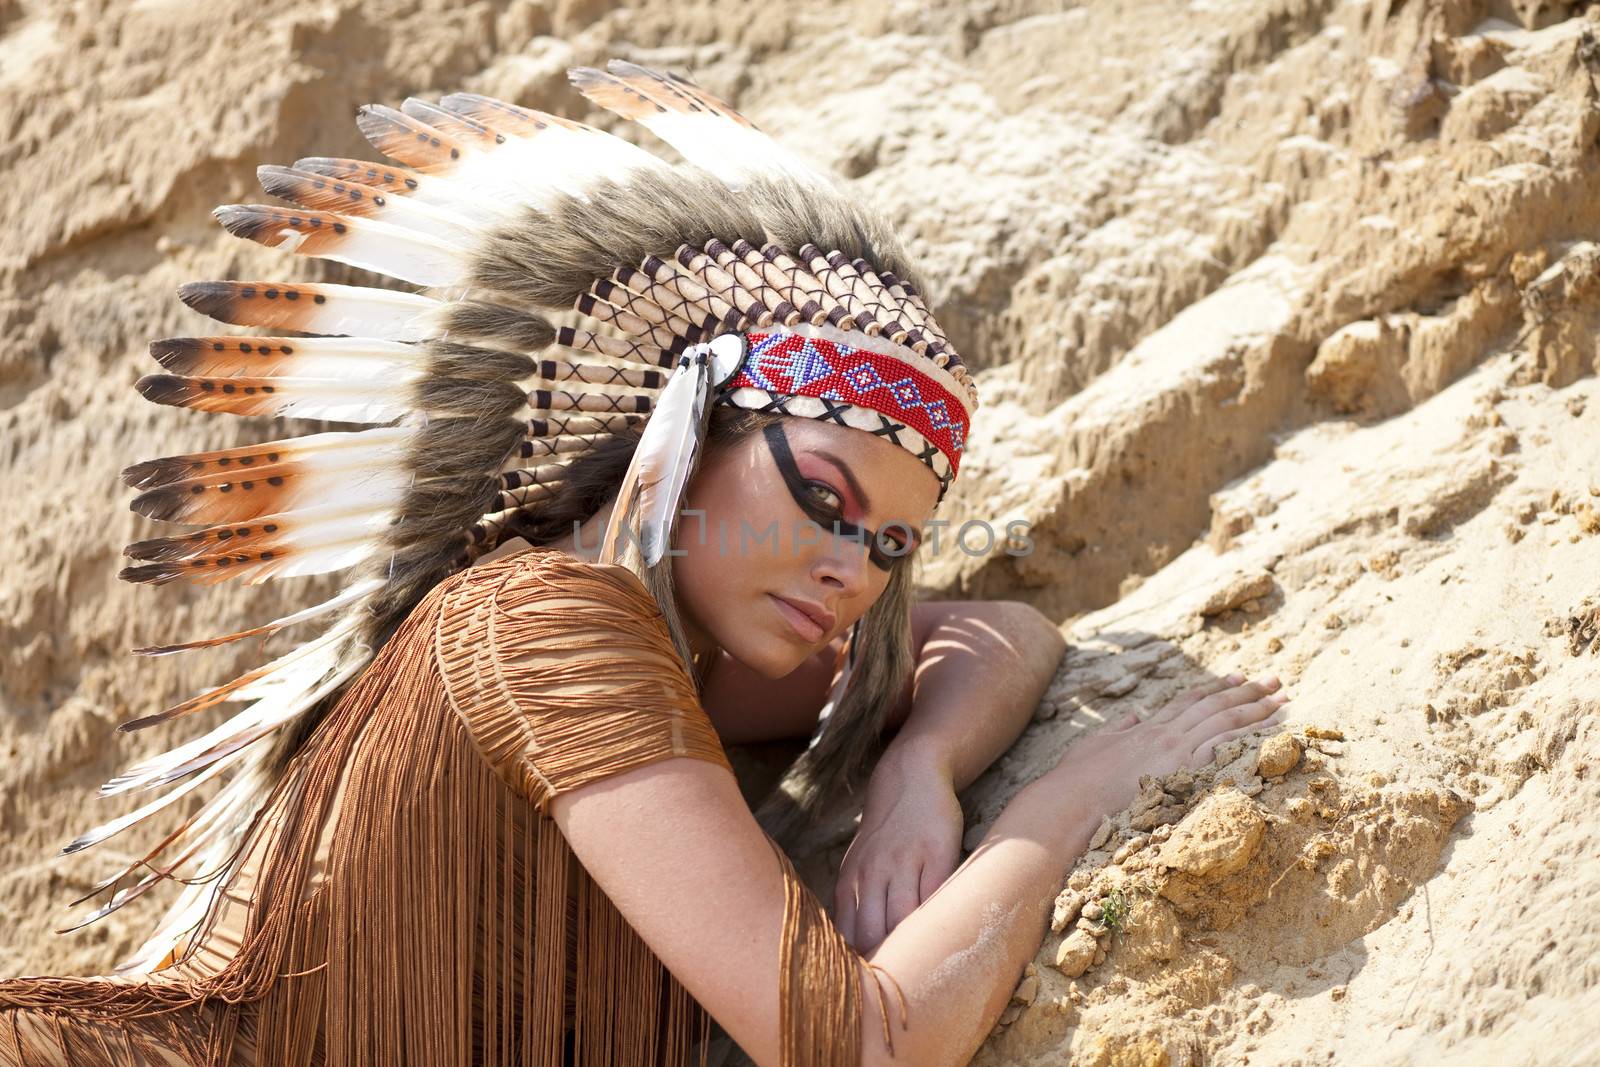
x=1128 y=848
x=1218 y=838
x=1376 y=780
x=1101 y=834
x=1337 y=992
x=1161 y=833
x=1068 y=904
x=1076 y=953
x=1274 y=645
x=1324 y=733
x=1299 y=808
x=1278 y=755
x=1093 y=910
x=1026 y=990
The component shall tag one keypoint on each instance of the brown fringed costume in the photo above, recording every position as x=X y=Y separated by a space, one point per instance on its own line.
x=374 y=879
x=407 y=899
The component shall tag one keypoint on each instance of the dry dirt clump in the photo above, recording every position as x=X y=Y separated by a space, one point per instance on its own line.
x=1285 y=315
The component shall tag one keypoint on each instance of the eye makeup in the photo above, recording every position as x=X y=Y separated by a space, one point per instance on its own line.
x=828 y=518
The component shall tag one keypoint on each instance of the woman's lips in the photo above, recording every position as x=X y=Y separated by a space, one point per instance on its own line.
x=803 y=624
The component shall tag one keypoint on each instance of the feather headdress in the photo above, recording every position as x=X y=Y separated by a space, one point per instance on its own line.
x=577 y=287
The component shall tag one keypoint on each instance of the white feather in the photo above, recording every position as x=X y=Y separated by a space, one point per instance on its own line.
x=362 y=312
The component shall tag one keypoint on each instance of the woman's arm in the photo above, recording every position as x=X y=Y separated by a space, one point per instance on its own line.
x=676 y=849
x=984 y=667
x=981 y=670
x=966 y=652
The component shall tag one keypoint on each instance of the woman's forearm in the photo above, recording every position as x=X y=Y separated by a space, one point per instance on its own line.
x=981 y=674
x=958 y=957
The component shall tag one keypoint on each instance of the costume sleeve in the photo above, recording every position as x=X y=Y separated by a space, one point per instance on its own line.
x=565 y=673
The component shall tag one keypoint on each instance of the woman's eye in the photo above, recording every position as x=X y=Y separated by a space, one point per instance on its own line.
x=825 y=495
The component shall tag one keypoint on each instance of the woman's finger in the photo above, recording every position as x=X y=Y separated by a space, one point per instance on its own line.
x=1228 y=699
x=1234 y=718
x=870 y=915
x=929 y=879
x=1190 y=697
x=846 y=909
x=1206 y=750
x=902 y=898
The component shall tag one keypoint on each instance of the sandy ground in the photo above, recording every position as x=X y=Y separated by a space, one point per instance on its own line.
x=1287 y=312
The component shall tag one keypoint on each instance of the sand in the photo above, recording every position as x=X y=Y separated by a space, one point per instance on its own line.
x=1286 y=313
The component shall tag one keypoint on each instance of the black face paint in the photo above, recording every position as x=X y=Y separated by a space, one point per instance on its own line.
x=778 y=445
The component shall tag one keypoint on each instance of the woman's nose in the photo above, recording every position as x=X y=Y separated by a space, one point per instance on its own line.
x=842 y=562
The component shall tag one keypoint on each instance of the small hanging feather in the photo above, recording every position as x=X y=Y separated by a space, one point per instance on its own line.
x=320 y=307
x=304 y=398
x=384 y=442
x=365 y=243
x=288 y=357
x=648 y=496
x=313 y=540
x=352 y=595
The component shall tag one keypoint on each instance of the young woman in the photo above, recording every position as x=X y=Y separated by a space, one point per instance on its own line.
x=487 y=816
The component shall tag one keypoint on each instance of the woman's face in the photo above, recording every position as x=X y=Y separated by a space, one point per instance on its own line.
x=759 y=563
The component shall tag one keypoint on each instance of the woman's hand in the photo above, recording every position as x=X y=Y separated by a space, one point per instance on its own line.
x=1184 y=733
x=909 y=842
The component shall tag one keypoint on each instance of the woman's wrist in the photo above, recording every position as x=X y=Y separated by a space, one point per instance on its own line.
x=912 y=761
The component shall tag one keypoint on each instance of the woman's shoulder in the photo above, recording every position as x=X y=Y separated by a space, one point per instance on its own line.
x=548 y=581
x=541 y=610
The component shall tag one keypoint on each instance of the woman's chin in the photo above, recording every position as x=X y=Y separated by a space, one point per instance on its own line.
x=772 y=656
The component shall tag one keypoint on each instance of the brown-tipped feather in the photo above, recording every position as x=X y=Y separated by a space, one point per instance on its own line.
x=210 y=356
x=224 y=496
x=234 y=396
x=672 y=92
x=381 y=176
x=268 y=304
x=509 y=118
x=310 y=232
x=232 y=539
x=402 y=138
x=312 y=307
x=463 y=128
x=614 y=94
x=320 y=192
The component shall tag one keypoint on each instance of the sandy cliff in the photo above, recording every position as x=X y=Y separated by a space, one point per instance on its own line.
x=1287 y=314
